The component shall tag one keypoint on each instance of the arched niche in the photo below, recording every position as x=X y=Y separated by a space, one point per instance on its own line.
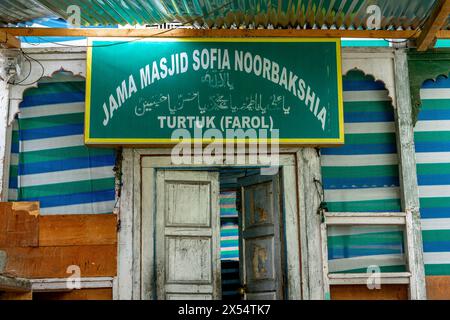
x=61 y=75
x=44 y=63
x=378 y=64
x=374 y=79
x=425 y=66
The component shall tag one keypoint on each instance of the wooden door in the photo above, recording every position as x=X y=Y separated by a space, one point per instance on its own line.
x=187 y=235
x=260 y=254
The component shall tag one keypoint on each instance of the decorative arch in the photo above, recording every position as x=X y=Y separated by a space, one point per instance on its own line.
x=49 y=62
x=425 y=66
x=46 y=62
x=50 y=124
x=372 y=77
x=43 y=79
x=378 y=64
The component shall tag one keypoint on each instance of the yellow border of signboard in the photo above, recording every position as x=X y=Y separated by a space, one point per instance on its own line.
x=98 y=141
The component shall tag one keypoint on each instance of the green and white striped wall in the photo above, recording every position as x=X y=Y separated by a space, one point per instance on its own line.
x=49 y=161
x=362 y=176
x=432 y=141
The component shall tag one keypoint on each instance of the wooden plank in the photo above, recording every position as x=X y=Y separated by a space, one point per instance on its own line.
x=16 y=295
x=361 y=292
x=438 y=287
x=443 y=34
x=19 y=224
x=364 y=214
x=7 y=40
x=362 y=278
x=14 y=284
x=365 y=220
x=68 y=230
x=409 y=189
x=52 y=262
x=60 y=284
x=306 y=33
x=365 y=275
x=435 y=22
x=362 y=281
x=81 y=294
x=31 y=207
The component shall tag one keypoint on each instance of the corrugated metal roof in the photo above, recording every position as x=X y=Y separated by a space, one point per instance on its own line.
x=346 y=14
x=16 y=11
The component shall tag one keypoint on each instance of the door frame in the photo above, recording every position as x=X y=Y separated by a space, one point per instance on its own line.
x=135 y=274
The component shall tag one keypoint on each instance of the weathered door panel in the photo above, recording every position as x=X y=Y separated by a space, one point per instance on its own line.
x=187 y=235
x=261 y=267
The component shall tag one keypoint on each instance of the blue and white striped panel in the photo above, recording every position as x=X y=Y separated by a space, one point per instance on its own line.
x=228 y=204
x=229 y=222
x=432 y=141
x=54 y=166
x=229 y=216
x=229 y=233
x=362 y=176
x=229 y=241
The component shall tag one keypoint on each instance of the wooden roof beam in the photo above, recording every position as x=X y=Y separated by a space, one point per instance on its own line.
x=306 y=33
x=443 y=34
x=434 y=24
x=8 y=41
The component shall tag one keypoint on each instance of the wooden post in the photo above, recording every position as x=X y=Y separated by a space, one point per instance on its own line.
x=311 y=245
x=4 y=105
x=8 y=41
x=324 y=239
x=125 y=245
x=408 y=175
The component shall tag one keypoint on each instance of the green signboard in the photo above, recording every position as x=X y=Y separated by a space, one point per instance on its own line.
x=155 y=91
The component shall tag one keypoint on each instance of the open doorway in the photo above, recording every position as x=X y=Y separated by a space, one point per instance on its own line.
x=177 y=230
x=181 y=231
x=190 y=257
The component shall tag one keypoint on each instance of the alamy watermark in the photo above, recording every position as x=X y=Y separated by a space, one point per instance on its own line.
x=374 y=277
x=249 y=147
x=74 y=280
x=74 y=16
x=373 y=21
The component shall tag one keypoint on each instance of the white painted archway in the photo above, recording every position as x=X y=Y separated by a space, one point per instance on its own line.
x=44 y=63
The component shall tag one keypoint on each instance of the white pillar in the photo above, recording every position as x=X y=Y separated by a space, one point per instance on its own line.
x=6 y=74
x=408 y=174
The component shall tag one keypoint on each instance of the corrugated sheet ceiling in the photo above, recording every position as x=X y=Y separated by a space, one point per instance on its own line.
x=15 y=11
x=348 y=14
